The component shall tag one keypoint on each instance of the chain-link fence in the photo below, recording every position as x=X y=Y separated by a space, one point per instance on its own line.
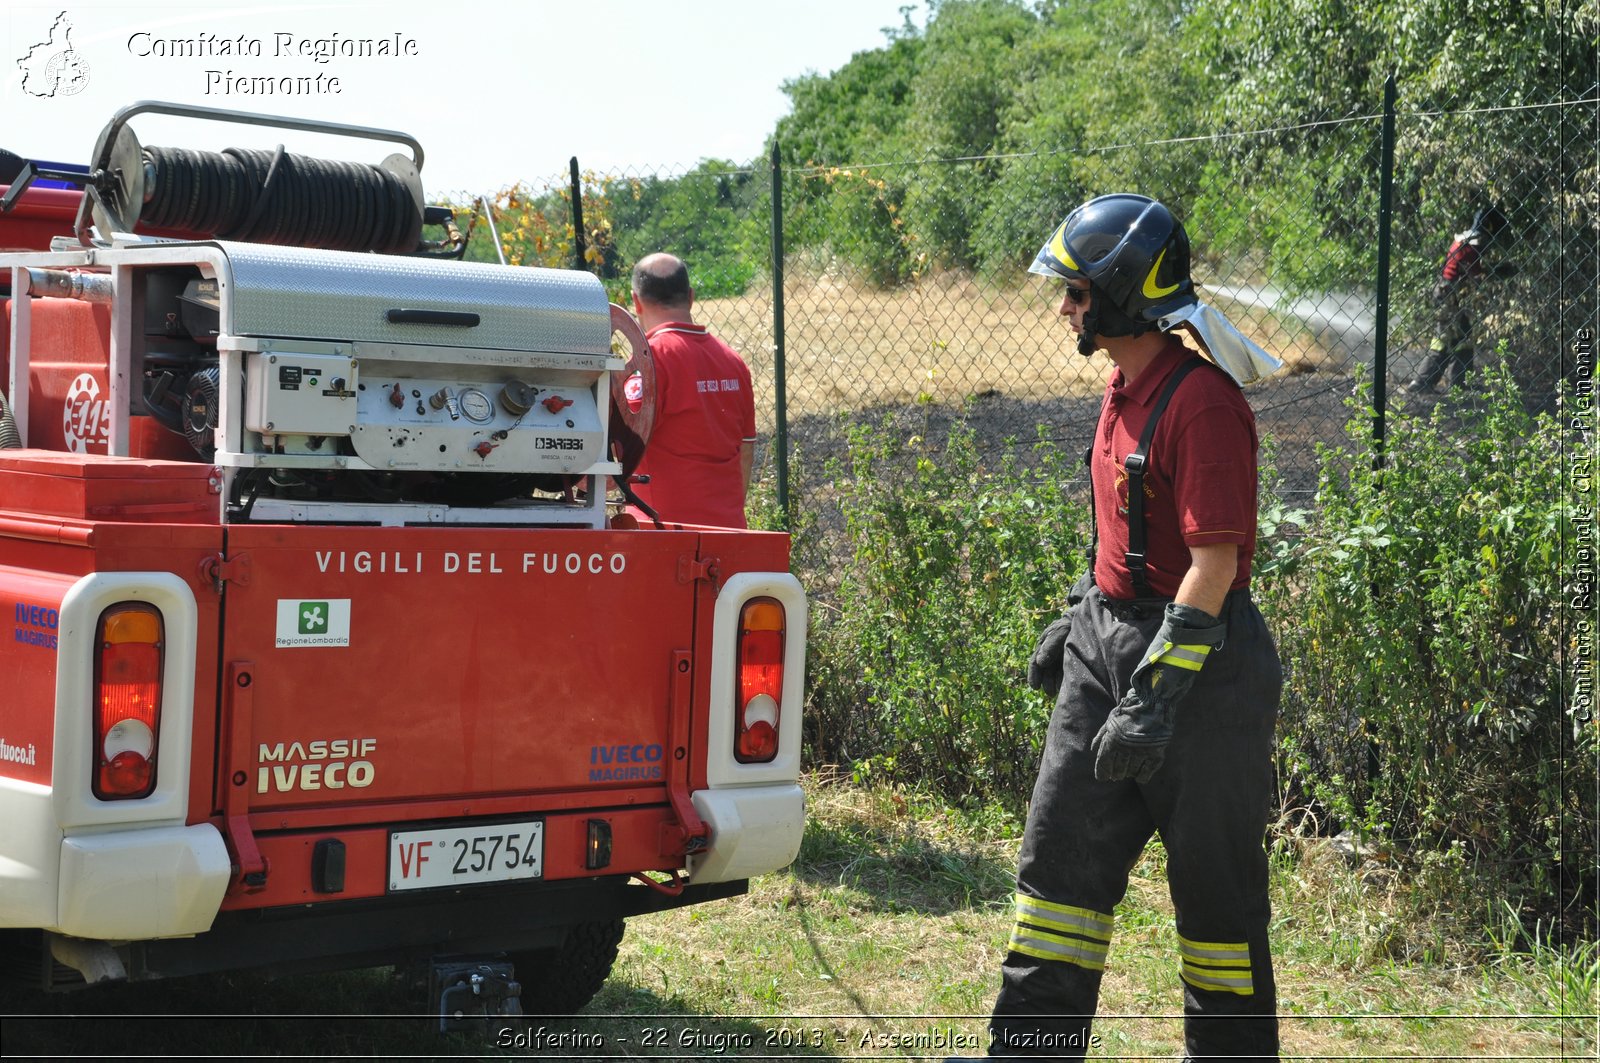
x=1418 y=605
x=903 y=290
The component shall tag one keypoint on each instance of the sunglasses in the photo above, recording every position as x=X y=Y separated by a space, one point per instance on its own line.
x=1077 y=296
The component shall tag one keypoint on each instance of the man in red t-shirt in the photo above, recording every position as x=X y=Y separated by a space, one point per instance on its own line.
x=703 y=446
x=1165 y=675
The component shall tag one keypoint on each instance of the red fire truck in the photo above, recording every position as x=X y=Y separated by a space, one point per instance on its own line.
x=330 y=647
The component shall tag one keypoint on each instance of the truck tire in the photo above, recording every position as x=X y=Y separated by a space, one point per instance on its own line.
x=561 y=980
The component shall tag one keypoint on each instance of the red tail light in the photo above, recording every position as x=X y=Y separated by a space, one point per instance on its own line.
x=760 y=693
x=127 y=721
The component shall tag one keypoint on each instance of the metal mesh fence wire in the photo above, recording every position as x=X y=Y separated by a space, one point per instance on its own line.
x=905 y=293
x=902 y=310
x=905 y=298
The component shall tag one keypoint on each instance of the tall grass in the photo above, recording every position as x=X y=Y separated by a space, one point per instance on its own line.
x=915 y=666
x=1427 y=641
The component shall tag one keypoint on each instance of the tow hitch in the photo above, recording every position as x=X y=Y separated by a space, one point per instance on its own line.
x=469 y=991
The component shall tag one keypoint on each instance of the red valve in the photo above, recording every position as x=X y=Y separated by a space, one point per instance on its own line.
x=555 y=403
x=397 y=398
x=484 y=449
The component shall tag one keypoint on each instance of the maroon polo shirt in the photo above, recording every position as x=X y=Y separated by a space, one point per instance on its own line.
x=1200 y=475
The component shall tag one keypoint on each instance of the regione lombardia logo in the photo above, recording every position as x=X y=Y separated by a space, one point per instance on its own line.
x=313 y=618
x=304 y=622
x=54 y=67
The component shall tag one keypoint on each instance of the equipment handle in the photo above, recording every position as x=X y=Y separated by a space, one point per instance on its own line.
x=403 y=316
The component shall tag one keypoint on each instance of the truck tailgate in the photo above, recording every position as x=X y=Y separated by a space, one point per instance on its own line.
x=404 y=664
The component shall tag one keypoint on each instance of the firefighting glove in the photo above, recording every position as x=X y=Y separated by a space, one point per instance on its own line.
x=1045 y=666
x=1132 y=742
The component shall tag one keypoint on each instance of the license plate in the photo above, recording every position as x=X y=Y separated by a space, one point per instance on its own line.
x=462 y=856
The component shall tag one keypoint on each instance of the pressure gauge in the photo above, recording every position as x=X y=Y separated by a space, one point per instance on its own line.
x=476 y=406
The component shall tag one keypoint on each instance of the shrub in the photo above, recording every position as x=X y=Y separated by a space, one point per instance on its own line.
x=917 y=667
x=1420 y=624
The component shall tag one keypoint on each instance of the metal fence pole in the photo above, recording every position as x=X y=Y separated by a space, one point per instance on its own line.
x=780 y=434
x=579 y=244
x=1380 y=360
x=1380 y=346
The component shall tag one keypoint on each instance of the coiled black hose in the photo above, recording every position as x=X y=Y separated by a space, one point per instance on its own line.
x=9 y=437
x=274 y=197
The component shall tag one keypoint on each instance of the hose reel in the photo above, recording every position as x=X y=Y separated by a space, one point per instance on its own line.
x=263 y=196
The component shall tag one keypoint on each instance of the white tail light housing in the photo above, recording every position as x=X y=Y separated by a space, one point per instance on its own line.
x=757 y=680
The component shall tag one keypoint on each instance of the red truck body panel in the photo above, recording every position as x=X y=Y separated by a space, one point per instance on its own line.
x=38 y=217
x=480 y=661
x=371 y=666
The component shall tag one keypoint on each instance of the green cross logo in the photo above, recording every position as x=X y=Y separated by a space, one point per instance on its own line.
x=313 y=618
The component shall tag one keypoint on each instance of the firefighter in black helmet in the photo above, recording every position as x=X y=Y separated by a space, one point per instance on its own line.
x=1460 y=276
x=1165 y=676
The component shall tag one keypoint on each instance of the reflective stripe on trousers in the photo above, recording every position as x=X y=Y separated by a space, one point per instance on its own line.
x=1209 y=803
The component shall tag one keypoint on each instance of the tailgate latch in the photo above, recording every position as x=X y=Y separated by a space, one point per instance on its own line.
x=691 y=569
x=217 y=570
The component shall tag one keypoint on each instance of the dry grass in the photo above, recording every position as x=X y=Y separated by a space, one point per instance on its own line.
x=941 y=340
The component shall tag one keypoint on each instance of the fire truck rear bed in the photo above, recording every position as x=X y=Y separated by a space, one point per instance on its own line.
x=486 y=710
x=329 y=648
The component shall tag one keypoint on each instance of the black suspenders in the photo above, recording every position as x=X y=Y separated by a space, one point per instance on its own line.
x=1135 y=464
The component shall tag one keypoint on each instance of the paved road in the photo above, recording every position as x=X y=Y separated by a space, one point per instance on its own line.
x=1343 y=322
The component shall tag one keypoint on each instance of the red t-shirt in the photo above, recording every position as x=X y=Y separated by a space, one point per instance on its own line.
x=1461 y=261
x=705 y=411
x=1200 y=475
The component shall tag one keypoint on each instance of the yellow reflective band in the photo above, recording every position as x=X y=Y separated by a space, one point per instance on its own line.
x=1210 y=961
x=1219 y=966
x=1190 y=656
x=1072 y=924
x=1213 y=950
x=1150 y=289
x=1064 y=917
x=1063 y=943
x=1186 y=655
x=1046 y=930
x=1058 y=248
x=1042 y=946
x=1202 y=979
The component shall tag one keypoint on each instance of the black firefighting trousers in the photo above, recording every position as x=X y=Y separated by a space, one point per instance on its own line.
x=1453 y=347
x=1209 y=802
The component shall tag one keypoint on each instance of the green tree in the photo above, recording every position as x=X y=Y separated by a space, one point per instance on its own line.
x=713 y=217
x=852 y=115
x=1095 y=84
x=967 y=77
x=840 y=124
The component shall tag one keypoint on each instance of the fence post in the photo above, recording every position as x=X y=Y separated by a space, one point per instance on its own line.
x=780 y=434
x=579 y=242
x=1380 y=345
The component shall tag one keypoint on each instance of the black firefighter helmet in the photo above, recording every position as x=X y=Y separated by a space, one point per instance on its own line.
x=1135 y=255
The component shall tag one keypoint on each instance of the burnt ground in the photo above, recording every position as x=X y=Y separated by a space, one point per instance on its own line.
x=1294 y=412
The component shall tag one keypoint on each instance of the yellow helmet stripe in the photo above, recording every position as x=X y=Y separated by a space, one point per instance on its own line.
x=1150 y=289
x=1058 y=248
